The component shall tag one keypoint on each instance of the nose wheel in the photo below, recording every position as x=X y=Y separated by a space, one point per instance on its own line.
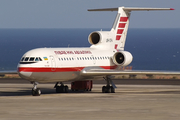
x=36 y=91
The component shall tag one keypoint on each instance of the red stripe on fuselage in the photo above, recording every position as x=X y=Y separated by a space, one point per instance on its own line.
x=75 y=69
x=34 y=69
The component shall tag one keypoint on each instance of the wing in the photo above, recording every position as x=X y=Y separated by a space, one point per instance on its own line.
x=104 y=72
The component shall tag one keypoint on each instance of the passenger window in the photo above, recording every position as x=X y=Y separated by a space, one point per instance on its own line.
x=31 y=59
x=72 y=58
x=22 y=59
x=69 y=58
x=26 y=59
x=82 y=58
x=62 y=59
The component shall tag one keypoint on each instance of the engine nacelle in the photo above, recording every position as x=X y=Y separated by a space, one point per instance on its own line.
x=122 y=58
x=98 y=37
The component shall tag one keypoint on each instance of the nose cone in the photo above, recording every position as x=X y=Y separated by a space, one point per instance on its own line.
x=23 y=73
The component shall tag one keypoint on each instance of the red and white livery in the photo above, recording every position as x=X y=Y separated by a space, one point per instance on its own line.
x=101 y=60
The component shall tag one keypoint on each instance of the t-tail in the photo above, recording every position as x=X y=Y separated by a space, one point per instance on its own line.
x=116 y=38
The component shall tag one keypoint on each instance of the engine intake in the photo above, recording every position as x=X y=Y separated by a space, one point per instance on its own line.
x=99 y=37
x=94 y=38
x=122 y=58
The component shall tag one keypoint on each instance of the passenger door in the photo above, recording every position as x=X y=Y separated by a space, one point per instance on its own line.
x=53 y=63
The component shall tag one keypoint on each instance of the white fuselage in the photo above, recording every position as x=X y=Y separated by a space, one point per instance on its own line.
x=65 y=64
x=62 y=64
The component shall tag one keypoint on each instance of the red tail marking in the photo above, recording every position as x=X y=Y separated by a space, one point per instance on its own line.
x=116 y=45
x=120 y=31
x=118 y=37
x=121 y=25
x=123 y=19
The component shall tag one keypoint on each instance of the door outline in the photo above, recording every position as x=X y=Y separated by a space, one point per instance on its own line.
x=53 y=63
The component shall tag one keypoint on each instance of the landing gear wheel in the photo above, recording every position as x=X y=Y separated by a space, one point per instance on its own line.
x=112 y=89
x=103 y=89
x=61 y=89
x=66 y=89
x=36 y=92
x=108 y=89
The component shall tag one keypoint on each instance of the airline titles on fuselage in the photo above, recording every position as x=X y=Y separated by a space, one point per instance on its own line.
x=72 y=52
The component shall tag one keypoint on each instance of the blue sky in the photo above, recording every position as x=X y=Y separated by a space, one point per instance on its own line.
x=74 y=14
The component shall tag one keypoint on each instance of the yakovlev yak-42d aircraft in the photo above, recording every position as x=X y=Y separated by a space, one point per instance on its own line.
x=101 y=60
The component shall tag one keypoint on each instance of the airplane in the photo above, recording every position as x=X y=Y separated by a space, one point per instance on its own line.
x=101 y=60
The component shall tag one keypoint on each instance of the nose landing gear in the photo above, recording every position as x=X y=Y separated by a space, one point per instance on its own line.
x=36 y=91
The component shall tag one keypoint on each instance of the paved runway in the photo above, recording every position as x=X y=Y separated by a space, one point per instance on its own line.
x=130 y=102
x=119 y=81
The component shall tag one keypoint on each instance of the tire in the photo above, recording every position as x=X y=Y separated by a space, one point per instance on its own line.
x=103 y=89
x=36 y=92
x=59 y=89
x=33 y=92
x=108 y=89
x=112 y=89
x=66 y=89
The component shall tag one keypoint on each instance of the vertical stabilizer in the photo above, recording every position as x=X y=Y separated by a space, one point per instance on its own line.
x=116 y=38
x=120 y=28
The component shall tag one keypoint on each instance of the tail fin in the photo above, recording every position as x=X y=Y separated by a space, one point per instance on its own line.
x=121 y=23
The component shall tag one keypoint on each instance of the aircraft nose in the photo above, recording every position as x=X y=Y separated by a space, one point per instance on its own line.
x=24 y=74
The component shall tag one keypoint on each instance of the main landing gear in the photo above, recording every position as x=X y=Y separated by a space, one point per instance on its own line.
x=108 y=88
x=62 y=88
x=36 y=91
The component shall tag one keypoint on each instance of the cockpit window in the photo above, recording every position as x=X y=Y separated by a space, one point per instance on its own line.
x=22 y=59
x=31 y=59
x=40 y=59
x=37 y=59
x=26 y=59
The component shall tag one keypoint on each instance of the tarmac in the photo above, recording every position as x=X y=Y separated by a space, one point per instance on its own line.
x=130 y=102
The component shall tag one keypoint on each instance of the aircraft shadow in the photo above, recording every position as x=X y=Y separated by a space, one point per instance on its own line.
x=52 y=91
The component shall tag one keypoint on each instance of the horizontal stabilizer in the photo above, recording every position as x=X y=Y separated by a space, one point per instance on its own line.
x=130 y=9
